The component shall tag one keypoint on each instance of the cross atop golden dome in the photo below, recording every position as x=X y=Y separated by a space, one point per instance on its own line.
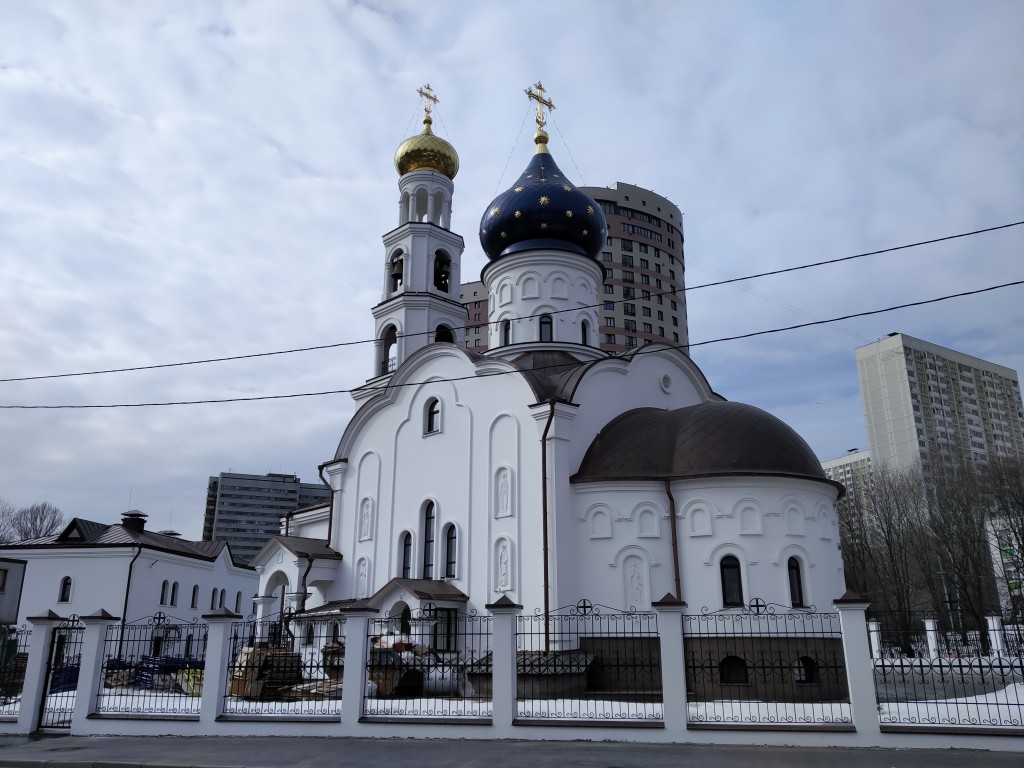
x=540 y=138
x=427 y=151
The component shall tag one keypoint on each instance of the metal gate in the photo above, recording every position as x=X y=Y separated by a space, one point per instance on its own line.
x=62 y=665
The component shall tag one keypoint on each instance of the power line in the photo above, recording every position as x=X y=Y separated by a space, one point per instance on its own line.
x=641 y=351
x=598 y=305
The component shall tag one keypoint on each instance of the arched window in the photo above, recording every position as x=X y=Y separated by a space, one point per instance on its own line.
x=308 y=639
x=450 y=550
x=732 y=670
x=432 y=416
x=195 y=596
x=335 y=632
x=389 y=350
x=223 y=594
x=213 y=600
x=163 y=593
x=444 y=333
x=65 y=590
x=442 y=271
x=805 y=670
x=546 y=328
x=796 y=584
x=406 y=547
x=732 y=582
x=396 y=271
x=174 y=593
x=238 y=602
x=189 y=640
x=428 y=541
x=585 y=333
x=506 y=333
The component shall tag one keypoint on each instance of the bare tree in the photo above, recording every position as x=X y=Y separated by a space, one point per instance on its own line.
x=37 y=520
x=6 y=521
x=1004 y=481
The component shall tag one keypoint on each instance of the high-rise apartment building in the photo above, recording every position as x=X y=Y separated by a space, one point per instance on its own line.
x=852 y=470
x=925 y=404
x=643 y=298
x=246 y=510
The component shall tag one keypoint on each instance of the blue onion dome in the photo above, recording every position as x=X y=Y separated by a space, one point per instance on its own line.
x=426 y=151
x=542 y=210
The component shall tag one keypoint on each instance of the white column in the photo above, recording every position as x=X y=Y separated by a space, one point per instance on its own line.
x=90 y=671
x=354 y=680
x=33 y=690
x=673 y=662
x=503 y=661
x=860 y=669
x=931 y=632
x=997 y=648
x=875 y=638
x=215 y=666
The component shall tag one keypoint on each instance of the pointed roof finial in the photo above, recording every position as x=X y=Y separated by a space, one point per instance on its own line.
x=429 y=99
x=540 y=138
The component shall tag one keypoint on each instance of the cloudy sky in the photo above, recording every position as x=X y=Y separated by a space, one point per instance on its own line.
x=188 y=180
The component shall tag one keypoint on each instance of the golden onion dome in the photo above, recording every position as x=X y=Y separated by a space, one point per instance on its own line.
x=427 y=152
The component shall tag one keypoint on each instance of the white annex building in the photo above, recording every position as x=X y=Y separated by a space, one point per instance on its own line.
x=544 y=470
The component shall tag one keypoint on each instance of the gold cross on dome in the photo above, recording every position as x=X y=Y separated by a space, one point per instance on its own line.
x=428 y=95
x=541 y=102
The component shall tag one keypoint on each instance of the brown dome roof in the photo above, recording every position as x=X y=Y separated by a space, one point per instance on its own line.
x=708 y=439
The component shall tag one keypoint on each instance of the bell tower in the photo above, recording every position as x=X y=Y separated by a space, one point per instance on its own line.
x=422 y=256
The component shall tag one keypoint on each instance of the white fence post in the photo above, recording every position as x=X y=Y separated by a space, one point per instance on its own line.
x=357 y=620
x=875 y=638
x=504 y=707
x=931 y=632
x=673 y=662
x=33 y=690
x=997 y=647
x=90 y=670
x=215 y=666
x=860 y=668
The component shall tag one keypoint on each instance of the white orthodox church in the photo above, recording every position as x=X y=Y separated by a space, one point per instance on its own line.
x=543 y=470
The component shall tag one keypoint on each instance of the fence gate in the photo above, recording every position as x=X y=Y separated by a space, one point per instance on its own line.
x=62 y=664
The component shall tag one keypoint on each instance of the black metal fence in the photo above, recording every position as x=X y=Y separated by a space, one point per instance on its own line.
x=934 y=671
x=434 y=663
x=14 y=643
x=63 y=661
x=764 y=664
x=286 y=665
x=589 y=662
x=153 y=666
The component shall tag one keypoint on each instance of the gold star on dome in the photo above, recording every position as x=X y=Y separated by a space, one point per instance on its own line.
x=557 y=176
x=568 y=214
x=504 y=234
x=544 y=200
x=495 y=211
x=518 y=189
x=567 y=188
x=542 y=180
x=590 y=210
x=584 y=233
x=518 y=214
x=544 y=225
x=529 y=175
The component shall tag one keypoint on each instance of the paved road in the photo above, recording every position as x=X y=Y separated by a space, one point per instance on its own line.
x=281 y=752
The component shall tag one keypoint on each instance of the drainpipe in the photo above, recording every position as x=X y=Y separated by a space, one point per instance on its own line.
x=127 y=591
x=675 y=537
x=330 y=510
x=305 y=573
x=544 y=516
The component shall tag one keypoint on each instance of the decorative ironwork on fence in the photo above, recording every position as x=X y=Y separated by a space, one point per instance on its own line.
x=946 y=672
x=64 y=659
x=435 y=662
x=153 y=666
x=589 y=662
x=289 y=666
x=765 y=664
x=13 y=659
